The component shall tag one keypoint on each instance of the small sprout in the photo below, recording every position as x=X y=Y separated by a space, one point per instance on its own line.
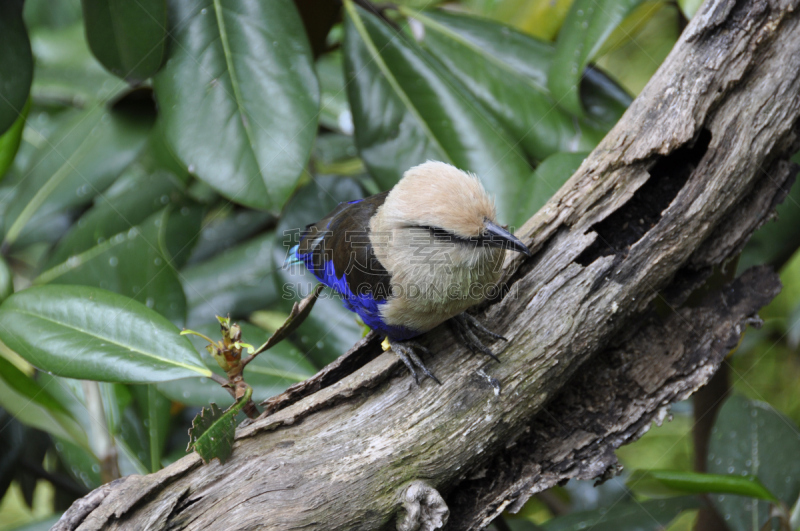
x=250 y=348
x=198 y=334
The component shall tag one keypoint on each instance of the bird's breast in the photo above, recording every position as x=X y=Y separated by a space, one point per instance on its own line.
x=432 y=283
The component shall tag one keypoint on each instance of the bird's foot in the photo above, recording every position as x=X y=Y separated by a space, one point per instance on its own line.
x=465 y=327
x=407 y=352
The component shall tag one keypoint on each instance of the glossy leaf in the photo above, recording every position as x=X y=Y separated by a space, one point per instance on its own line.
x=137 y=194
x=523 y=56
x=10 y=140
x=651 y=515
x=334 y=109
x=407 y=109
x=239 y=97
x=34 y=405
x=65 y=71
x=751 y=438
x=128 y=38
x=630 y=27
x=539 y=18
x=12 y=444
x=269 y=374
x=154 y=408
x=588 y=25
x=549 y=176
x=488 y=70
x=81 y=464
x=236 y=282
x=16 y=63
x=136 y=263
x=226 y=227
x=668 y=483
x=90 y=333
x=212 y=431
x=77 y=162
x=117 y=425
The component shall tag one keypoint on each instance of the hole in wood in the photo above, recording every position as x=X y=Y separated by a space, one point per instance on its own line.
x=619 y=231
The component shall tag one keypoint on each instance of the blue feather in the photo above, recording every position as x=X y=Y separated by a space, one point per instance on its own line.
x=367 y=307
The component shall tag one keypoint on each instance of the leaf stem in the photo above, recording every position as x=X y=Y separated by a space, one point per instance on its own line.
x=219 y=379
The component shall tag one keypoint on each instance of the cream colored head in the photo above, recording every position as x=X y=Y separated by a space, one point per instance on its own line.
x=436 y=194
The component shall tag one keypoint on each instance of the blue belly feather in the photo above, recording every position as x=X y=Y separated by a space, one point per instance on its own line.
x=367 y=307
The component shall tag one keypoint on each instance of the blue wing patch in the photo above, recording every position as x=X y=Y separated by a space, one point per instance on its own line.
x=364 y=304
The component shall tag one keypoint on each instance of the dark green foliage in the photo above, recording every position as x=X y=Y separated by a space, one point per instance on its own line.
x=128 y=38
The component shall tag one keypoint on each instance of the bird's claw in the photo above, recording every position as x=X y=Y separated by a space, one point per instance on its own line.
x=465 y=326
x=407 y=352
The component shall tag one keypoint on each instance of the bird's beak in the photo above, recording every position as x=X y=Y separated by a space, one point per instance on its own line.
x=497 y=236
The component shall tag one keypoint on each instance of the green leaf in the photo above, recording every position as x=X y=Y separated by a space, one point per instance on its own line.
x=9 y=141
x=521 y=56
x=6 y=280
x=65 y=71
x=12 y=444
x=128 y=38
x=16 y=63
x=157 y=423
x=239 y=97
x=151 y=411
x=651 y=515
x=93 y=334
x=136 y=263
x=549 y=176
x=226 y=227
x=407 y=109
x=213 y=431
x=334 y=112
x=40 y=524
x=77 y=162
x=236 y=282
x=34 y=405
x=689 y=7
x=133 y=197
x=80 y=463
x=588 y=25
x=51 y=15
x=269 y=374
x=777 y=240
x=483 y=55
x=668 y=483
x=751 y=438
x=118 y=423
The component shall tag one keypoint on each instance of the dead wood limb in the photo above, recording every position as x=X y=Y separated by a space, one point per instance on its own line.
x=675 y=189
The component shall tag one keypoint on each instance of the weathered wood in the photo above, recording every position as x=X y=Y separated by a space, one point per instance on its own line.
x=694 y=166
x=613 y=399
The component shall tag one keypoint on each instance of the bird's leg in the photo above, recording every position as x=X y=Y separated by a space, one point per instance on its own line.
x=407 y=352
x=465 y=325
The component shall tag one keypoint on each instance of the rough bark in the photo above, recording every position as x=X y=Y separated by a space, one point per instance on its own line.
x=695 y=165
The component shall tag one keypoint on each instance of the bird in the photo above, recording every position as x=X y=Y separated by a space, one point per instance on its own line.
x=413 y=257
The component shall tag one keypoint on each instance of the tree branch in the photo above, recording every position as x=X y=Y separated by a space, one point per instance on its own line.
x=692 y=169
